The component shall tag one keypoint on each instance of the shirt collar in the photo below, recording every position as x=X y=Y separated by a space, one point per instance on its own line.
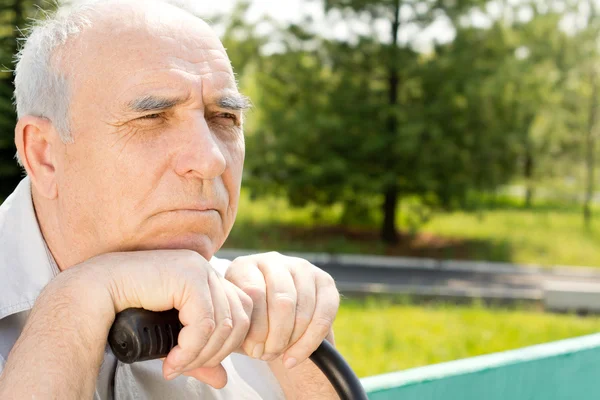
x=25 y=261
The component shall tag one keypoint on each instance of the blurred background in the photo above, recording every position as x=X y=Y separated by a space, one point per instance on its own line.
x=450 y=130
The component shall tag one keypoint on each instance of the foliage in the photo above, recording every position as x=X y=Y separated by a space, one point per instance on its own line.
x=494 y=104
x=548 y=234
x=13 y=17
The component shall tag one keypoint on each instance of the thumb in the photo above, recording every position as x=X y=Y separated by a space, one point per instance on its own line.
x=213 y=376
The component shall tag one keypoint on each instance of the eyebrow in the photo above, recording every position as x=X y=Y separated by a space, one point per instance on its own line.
x=155 y=103
x=235 y=102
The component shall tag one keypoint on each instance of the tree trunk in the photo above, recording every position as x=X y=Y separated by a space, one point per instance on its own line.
x=528 y=175
x=590 y=156
x=389 y=233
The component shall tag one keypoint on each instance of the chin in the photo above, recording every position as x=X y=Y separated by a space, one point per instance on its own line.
x=190 y=230
x=199 y=243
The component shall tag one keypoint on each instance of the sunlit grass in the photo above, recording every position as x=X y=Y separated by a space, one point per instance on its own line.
x=546 y=235
x=530 y=236
x=376 y=337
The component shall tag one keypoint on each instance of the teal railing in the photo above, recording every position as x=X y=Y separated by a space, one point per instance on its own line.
x=564 y=370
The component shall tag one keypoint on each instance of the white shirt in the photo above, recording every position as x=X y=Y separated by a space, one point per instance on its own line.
x=26 y=266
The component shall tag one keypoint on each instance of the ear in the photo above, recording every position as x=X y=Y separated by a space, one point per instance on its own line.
x=34 y=137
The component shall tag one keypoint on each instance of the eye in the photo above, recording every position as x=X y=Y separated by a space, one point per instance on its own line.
x=151 y=116
x=227 y=116
x=228 y=119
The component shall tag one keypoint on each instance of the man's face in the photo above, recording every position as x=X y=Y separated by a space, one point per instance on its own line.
x=158 y=146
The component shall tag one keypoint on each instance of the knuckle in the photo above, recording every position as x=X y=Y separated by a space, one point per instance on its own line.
x=327 y=278
x=306 y=300
x=237 y=261
x=304 y=264
x=308 y=267
x=206 y=327
x=226 y=326
x=323 y=325
x=244 y=322
x=255 y=293
x=247 y=302
x=284 y=303
x=302 y=320
x=335 y=301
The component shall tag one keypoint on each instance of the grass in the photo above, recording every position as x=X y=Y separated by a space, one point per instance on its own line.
x=377 y=337
x=546 y=235
x=525 y=236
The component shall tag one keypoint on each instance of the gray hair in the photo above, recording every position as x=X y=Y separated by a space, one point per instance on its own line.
x=41 y=86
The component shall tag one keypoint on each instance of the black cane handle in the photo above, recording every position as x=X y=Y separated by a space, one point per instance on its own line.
x=139 y=335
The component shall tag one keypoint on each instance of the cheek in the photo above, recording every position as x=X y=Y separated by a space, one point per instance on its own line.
x=237 y=153
x=114 y=177
x=235 y=168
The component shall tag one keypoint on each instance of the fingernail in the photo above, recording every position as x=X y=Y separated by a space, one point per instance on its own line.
x=173 y=376
x=258 y=350
x=290 y=363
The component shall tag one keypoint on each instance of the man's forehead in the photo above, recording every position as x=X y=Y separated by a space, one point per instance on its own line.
x=145 y=37
x=156 y=89
x=135 y=64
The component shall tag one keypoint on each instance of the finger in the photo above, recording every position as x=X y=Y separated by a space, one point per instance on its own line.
x=224 y=325
x=240 y=305
x=304 y=280
x=215 y=376
x=252 y=282
x=281 y=307
x=328 y=301
x=196 y=314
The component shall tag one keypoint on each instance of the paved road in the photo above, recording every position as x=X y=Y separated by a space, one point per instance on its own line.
x=359 y=274
x=457 y=283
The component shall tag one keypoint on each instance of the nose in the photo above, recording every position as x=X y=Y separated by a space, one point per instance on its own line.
x=200 y=154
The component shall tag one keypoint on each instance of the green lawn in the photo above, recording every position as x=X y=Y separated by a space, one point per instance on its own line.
x=538 y=237
x=376 y=337
x=545 y=235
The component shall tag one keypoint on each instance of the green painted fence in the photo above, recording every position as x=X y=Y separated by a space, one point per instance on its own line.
x=564 y=370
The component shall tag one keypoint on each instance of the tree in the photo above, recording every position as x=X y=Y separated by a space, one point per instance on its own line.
x=590 y=62
x=398 y=13
x=344 y=121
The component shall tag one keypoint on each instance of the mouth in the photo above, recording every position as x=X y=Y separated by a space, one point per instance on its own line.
x=188 y=211
x=191 y=210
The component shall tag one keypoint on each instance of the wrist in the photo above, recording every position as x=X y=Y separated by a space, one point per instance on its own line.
x=82 y=299
x=62 y=344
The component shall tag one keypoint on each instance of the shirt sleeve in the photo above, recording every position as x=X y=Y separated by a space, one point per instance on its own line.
x=220 y=265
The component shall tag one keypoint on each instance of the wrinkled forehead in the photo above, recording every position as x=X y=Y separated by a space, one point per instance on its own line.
x=136 y=49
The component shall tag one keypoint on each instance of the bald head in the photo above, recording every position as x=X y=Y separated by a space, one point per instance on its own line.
x=133 y=134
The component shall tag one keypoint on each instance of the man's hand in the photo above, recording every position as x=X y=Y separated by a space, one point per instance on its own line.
x=295 y=304
x=215 y=313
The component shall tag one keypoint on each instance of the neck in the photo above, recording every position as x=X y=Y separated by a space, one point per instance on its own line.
x=67 y=251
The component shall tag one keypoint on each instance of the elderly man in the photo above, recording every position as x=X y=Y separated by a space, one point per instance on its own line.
x=130 y=131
